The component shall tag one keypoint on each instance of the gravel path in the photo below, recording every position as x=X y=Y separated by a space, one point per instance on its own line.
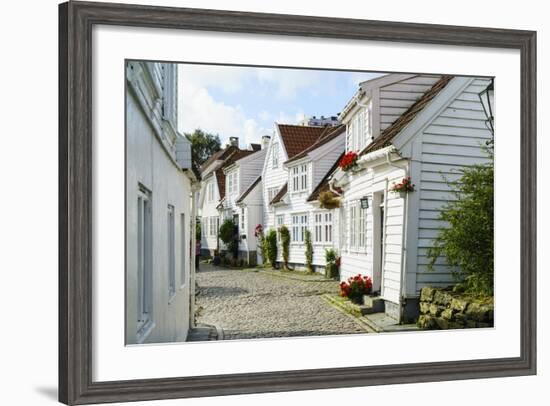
x=249 y=304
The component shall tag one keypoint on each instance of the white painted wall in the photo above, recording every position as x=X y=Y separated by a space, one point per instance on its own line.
x=149 y=164
x=209 y=210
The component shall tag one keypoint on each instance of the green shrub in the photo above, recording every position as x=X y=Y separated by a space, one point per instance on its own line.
x=285 y=244
x=228 y=236
x=271 y=246
x=309 y=250
x=331 y=266
x=467 y=243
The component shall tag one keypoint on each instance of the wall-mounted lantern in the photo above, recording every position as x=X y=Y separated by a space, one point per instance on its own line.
x=364 y=202
x=486 y=96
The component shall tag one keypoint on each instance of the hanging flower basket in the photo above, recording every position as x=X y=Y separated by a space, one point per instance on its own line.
x=348 y=161
x=403 y=187
x=328 y=200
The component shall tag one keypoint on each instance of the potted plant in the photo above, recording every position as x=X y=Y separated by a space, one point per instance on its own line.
x=355 y=287
x=328 y=200
x=403 y=187
x=348 y=161
x=331 y=267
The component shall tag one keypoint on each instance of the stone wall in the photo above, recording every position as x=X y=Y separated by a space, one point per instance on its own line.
x=444 y=309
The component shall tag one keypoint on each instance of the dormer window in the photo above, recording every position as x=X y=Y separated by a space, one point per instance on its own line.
x=298 y=179
x=232 y=183
x=359 y=131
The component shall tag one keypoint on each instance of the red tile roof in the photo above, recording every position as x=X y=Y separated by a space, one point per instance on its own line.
x=296 y=138
x=385 y=138
x=328 y=135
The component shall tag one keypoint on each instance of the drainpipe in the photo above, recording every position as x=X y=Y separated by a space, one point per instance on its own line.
x=404 y=235
x=193 y=239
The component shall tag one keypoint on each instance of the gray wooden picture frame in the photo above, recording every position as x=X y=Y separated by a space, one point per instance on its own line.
x=76 y=20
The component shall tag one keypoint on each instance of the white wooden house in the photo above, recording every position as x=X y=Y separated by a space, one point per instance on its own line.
x=242 y=200
x=298 y=160
x=424 y=126
x=159 y=209
x=212 y=193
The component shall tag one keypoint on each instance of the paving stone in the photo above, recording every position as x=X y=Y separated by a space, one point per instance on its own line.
x=249 y=304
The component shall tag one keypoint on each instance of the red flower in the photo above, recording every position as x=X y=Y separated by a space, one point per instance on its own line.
x=348 y=161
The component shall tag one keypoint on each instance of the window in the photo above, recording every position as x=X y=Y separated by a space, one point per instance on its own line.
x=303 y=226
x=357 y=226
x=171 y=252
x=242 y=220
x=359 y=129
x=361 y=226
x=353 y=225
x=299 y=227
x=279 y=221
x=328 y=227
x=303 y=177
x=299 y=178
x=182 y=247
x=144 y=260
x=213 y=226
x=210 y=192
x=318 y=227
x=322 y=228
x=275 y=155
x=232 y=181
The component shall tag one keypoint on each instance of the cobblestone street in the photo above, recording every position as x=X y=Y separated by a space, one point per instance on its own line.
x=252 y=304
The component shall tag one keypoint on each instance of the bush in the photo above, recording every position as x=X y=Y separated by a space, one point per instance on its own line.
x=467 y=243
x=261 y=243
x=309 y=250
x=285 y=244
x=331 y=263
x=228 y=236
x=356 y=287
x=271 y=246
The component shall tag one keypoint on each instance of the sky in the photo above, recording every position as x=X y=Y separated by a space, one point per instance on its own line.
x=246 y=102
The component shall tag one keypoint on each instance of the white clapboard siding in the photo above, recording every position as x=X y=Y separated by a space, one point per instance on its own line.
x=272 y=178
x=397 y=97
x=453 y=140
x=354 y=261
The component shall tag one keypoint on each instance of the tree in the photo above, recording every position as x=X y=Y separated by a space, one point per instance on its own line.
x=228 y=236
x=309 y=251
x=203 y=145
x=271 y=240
x=468 y=241
x=285 y=243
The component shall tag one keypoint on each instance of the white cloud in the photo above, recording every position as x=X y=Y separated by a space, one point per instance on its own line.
x=288 y=82
x=228 y=79
x=198 y=109
x=264 y=115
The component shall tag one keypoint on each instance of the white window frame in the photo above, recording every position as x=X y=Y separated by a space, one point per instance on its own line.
x=279 y=221
x=295 y=178
x=303 y=177
x=275 y=155
x=357 y=227
x=144 y=317
x=299 y=226
x=353 y=226
x=328 y=227
x=359 y=129
x=232 y=185
x=210 y=192
x=171 y=251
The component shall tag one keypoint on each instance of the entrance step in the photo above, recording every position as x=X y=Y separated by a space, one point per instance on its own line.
x=373 y=304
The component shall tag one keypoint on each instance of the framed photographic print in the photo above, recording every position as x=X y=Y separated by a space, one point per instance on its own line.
x=259 y=202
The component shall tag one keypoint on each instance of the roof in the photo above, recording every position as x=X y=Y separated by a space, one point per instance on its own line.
x=296 y=138
x=249 y=189
x=280 y=194
x=385 y=138
x=229 y=160
x=323 y=186
x=219 y=155
x=327 y=136
x=255 y=147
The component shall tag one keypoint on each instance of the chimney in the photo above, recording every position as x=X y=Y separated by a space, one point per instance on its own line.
x=265 y=141
x=234 y=141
